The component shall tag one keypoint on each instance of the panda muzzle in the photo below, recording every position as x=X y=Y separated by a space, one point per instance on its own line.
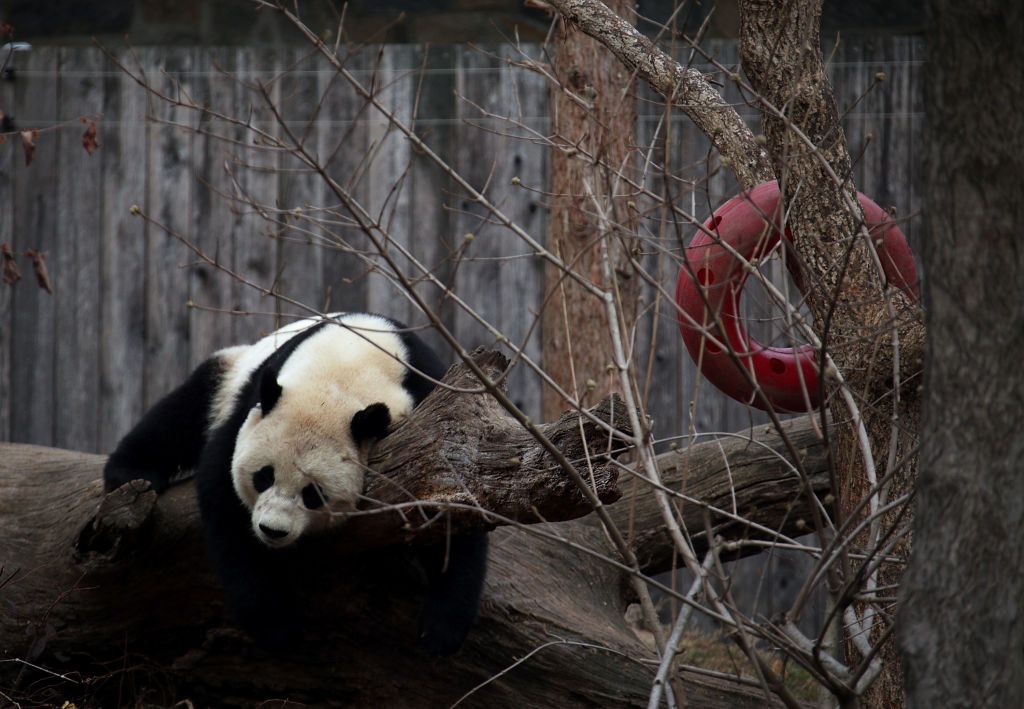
x=273 y=533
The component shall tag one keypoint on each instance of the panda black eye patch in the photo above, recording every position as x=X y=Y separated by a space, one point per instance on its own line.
x=313 y=497
x=263 y=478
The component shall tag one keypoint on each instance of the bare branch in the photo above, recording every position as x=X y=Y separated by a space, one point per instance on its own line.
x=686 y=88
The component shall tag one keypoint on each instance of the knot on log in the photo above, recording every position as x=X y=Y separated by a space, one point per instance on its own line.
x=123 y=519
x=590 y=440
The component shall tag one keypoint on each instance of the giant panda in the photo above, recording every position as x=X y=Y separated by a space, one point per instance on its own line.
x=278 y=433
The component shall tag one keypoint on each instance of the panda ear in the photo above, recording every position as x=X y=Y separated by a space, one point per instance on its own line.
x=371 y=423
x=270 y=390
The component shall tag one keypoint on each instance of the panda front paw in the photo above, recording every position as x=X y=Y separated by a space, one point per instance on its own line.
x=114 y=477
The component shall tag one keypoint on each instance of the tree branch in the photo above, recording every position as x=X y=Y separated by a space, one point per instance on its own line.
x=465 y=450
x=684 y=87
x=748 y=485
x=873 y=334
x=121 y=580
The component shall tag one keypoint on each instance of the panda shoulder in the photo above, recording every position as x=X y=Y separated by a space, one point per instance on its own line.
x=424 y=366
x=416 y=353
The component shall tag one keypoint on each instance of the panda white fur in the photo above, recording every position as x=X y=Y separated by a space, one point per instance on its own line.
x=278 y=433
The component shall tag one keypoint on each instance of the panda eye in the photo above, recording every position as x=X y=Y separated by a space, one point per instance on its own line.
x=313 y=497
x=263 y=478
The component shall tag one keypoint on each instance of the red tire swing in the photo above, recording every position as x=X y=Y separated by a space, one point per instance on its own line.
x=712 y=271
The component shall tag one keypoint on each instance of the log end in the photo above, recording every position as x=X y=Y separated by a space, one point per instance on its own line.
x=123 y=520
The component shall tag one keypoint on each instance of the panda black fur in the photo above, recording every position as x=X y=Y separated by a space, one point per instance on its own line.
x=278 y=433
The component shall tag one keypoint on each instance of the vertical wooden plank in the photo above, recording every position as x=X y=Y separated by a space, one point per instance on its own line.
x=722 y=183
x=341 y=145
x=894 y=185
x=402 y=189
x=168 y=201
x=890 y=170
x=431 y=238
x=75 y=263
x=389 y=194
x=659 y=355
x=697 y=398
x=255 y=250
x=526 y=101
x=300 y=250
x=123 y=251
x=213 y=218
x=35 y=227
x=498 y=274
x=477 y=154
x=872 y=115
x=844 y=73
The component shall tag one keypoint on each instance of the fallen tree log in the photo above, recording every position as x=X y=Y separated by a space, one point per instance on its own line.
x=114 y=597
x=738 y=482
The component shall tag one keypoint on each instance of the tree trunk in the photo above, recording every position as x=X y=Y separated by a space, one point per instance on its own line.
x=115 y=592
x=781 y=53
x=962 y=626
x=591 y=228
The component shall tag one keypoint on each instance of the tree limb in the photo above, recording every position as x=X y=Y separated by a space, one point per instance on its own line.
x=684 y=87
x=464 y=449
x=744 y=483
x=119 y=586
x=874 y=335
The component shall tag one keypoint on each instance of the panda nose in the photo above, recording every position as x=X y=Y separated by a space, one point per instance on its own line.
x=273 y=533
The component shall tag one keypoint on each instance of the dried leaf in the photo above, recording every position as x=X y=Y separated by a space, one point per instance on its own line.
x=28 y=142
x=12 y=274
x=89 y=141
x=39 y=264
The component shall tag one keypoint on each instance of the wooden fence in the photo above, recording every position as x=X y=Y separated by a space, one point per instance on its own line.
x=132 y=309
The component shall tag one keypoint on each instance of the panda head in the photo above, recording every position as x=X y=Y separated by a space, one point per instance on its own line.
x=299 y=458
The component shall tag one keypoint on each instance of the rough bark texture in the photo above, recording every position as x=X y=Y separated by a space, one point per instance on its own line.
x=756 y=484
x=576 y=341
x=781 y=54
x=466 y=450
x=116 y=591
x=962 y=626
x=685 y=87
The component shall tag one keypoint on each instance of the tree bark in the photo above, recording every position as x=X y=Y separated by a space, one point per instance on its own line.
x=962 y=629
x=590 y=226
x=749 y=478
x=781 y=52
x=115 y=591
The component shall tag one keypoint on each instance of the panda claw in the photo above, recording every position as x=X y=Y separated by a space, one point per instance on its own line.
x=117 y=477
